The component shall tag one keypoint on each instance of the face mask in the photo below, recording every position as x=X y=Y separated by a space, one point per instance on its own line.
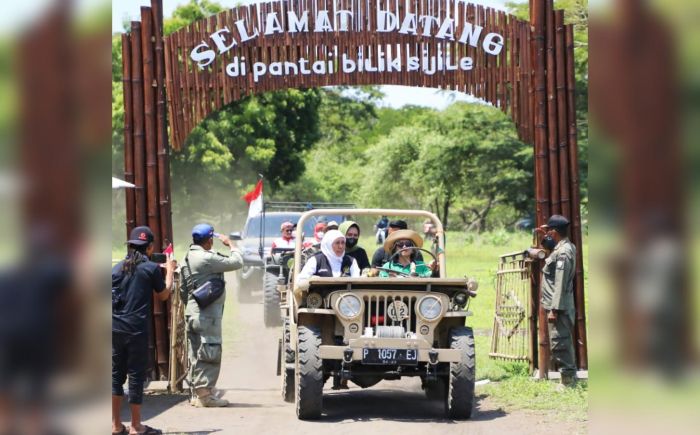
x=548 y=243
x=350 y=242
x=320 y=234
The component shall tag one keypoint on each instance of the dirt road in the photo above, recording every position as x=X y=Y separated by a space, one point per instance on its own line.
x=391 y=407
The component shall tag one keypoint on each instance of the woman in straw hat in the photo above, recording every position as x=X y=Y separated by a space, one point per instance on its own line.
x=402 y=244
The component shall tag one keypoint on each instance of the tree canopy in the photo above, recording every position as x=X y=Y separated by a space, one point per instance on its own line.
x=467 y=157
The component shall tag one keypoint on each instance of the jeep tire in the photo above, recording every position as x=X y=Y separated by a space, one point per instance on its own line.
x=287 y=357
x=309 y=374
x=460 y=386
x=271 y=301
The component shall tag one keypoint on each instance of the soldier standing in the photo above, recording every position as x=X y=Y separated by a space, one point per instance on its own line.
x=558 y=294
x=203 y=324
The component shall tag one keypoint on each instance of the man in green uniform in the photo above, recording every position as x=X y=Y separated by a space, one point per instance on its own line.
x=558 y=294
x=204 y=324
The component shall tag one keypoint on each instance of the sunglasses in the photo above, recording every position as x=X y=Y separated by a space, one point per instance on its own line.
x=404 y=244
x=287 y=231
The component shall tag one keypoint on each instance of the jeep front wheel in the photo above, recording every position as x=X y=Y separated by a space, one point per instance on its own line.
x=460 y=386
x=309 y=374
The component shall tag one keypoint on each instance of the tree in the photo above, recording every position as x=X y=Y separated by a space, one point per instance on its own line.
x=332 y=166
x=467 y=156
x=262 y=134
x=189 y=13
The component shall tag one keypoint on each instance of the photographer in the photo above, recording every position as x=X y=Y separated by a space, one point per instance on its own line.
x=134 y=280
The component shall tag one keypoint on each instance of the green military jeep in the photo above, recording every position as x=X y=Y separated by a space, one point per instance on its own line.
x=368 y=329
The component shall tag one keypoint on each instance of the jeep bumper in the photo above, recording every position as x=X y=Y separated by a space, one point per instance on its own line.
x=357 y=346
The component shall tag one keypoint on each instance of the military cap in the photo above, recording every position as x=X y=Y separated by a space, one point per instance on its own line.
x=202 y=232
x=557 y=221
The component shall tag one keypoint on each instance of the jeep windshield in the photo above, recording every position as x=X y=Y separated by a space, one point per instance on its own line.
x=273 y=221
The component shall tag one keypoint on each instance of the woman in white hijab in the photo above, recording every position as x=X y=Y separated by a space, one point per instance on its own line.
x=331 y=261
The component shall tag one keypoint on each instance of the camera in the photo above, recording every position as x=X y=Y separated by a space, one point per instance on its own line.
x=158 y=257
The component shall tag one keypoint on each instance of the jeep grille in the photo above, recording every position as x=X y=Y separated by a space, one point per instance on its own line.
x=376 y=308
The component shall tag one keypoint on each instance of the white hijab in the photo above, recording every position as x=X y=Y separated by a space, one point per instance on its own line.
x=327 y=248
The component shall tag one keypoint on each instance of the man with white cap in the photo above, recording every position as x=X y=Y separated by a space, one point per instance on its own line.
x=286 y=240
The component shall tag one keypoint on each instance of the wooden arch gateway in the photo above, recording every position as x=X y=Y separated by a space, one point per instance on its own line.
x=525 y=68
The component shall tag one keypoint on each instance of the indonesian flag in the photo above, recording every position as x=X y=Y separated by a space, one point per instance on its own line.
x=169 y=251
x=254 y=198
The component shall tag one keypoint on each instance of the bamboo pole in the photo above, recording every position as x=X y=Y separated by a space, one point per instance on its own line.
x=528 y=104
x=150 y=124
x=164 y=210
x=538 y=23
x=159 y=323
x=161 y=128
x=562 y=133
x=579 y=298
x=535 y=280
x=128 y=133
x=175 y=309
x=540 y=111
x=137 y=114
x=552 y=138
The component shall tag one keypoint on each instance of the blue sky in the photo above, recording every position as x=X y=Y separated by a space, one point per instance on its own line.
x=395 y=96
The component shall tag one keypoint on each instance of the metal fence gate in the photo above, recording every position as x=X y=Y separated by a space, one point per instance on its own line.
x=511 y=323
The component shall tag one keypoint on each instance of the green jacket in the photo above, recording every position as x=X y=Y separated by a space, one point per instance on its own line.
x=205 y=265
x=558 y=278
x=422 y=269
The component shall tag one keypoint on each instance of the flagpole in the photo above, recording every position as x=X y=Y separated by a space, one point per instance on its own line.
x=261 y=249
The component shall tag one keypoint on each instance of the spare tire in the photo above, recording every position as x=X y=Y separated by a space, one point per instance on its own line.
x=271 y=301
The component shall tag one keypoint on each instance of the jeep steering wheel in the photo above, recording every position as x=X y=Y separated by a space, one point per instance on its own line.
x=397 y=272
x=404 y=274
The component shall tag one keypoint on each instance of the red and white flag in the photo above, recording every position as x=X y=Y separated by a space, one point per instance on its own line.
x=169 y=251
x=254 y=198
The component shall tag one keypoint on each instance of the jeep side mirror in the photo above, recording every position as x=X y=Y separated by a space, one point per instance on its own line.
x=236 y=235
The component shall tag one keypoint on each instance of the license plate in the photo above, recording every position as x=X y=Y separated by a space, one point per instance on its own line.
x=389 y=356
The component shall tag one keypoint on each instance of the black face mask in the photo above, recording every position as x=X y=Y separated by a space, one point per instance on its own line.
x=548 y=243
x=350 y=242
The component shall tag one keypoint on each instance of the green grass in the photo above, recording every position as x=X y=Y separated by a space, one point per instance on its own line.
x=476 y=256
x=521 y=392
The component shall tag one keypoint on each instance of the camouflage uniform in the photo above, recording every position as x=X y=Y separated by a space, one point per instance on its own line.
x=557 y=294
x=204 y=325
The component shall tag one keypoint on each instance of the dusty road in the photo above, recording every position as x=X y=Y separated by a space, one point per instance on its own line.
x=250 y=384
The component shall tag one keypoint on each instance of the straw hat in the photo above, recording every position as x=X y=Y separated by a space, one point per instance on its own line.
x=402 y=234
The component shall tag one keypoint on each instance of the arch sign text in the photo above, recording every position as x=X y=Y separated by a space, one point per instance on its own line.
x=324 y=21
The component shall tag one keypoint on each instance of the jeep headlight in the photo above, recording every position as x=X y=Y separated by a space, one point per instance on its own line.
x=430 y=307
x=349 y=306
